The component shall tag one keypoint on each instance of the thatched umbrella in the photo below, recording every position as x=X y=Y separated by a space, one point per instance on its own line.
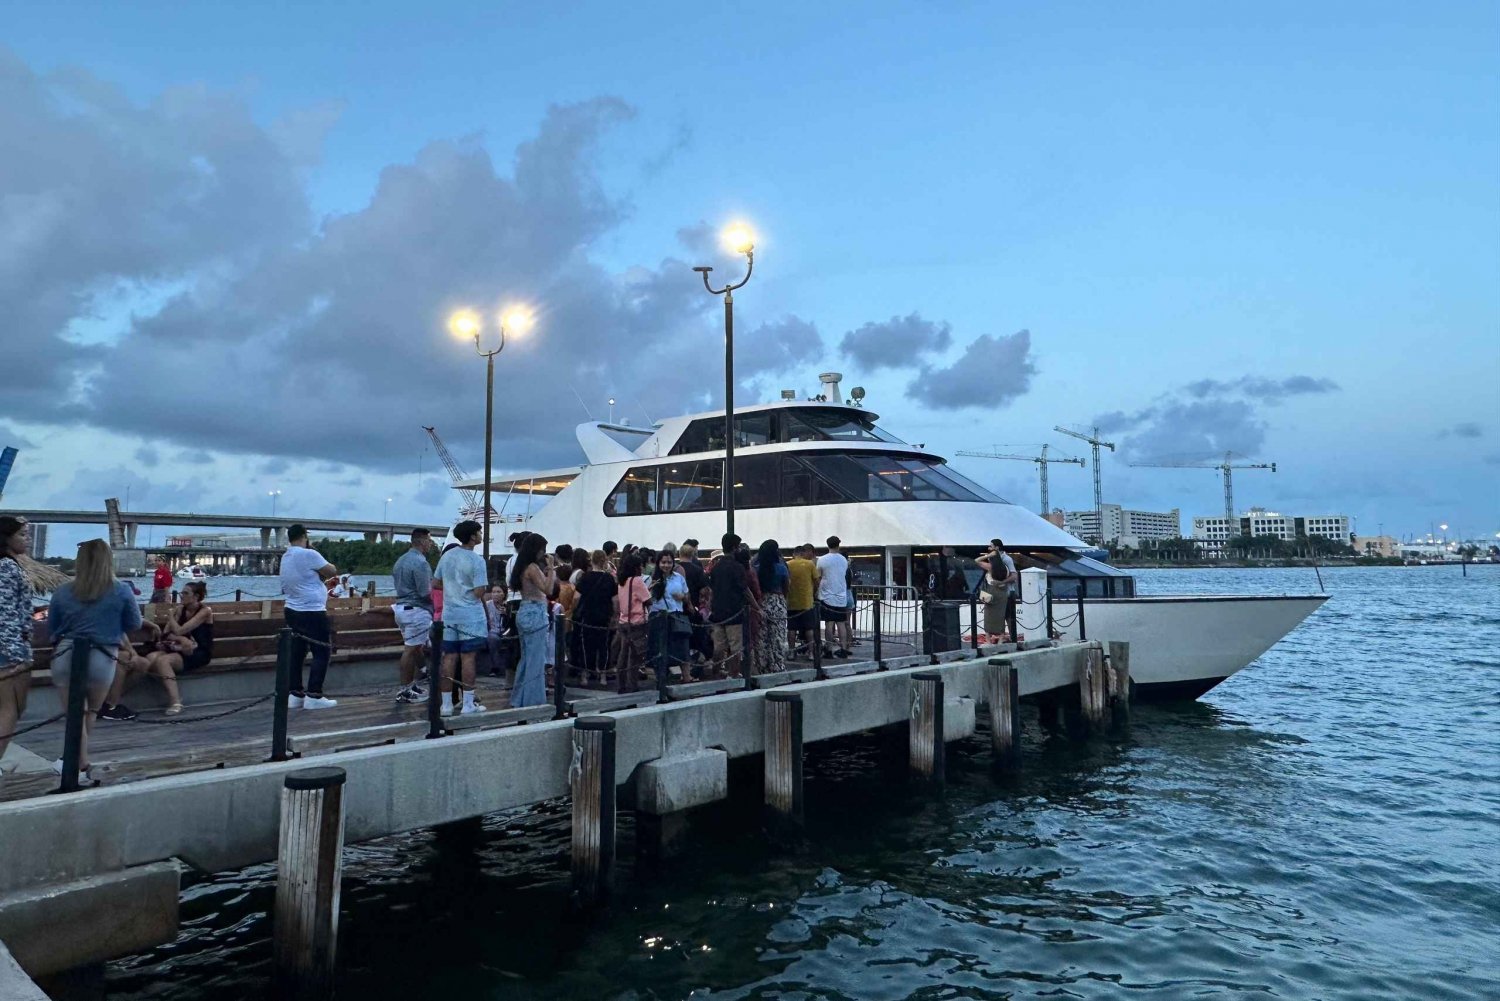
x=43 y=578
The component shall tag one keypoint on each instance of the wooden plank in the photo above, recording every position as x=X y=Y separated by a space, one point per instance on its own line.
x=698 y=689
x=303 y=744
x=847 y=669
x=499 y=717
x=776 y=679
x=612 y=703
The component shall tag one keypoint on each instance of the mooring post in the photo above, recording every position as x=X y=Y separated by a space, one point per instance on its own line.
x=236 y=594
x=1002 y=682
x=283 y=694
x=559 y=668
x=78 y=672
x=435 y=683
x=973 y=622
x=1121 y=687
x=784 y=755
x=309 y=868
x=875 y=626
x=925 y=740
x=592 y=779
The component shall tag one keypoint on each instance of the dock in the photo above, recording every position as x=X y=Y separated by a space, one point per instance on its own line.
x=93 y=875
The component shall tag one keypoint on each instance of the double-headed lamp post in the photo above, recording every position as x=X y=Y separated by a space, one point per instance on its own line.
x=739 y=239
x=273 y=494
x=466 y=323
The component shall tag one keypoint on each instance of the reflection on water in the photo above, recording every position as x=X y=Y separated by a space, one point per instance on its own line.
x=1324 y=825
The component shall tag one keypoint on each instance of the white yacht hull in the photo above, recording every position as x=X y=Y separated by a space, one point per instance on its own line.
x=1183 y=645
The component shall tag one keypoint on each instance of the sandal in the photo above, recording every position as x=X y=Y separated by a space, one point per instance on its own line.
x=174 y=709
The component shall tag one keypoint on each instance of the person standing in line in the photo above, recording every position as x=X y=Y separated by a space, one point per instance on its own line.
x=593 y=615
x=668 y=627
x=303 y=573
x=833 y=600
x=628 y=649
x=161 y=581
x=999 y=584
x=774 y=578
x=530 y=576
x=412 y=577
x=15 y=628
x=731 y=603
x=802 y=618
x=466 y=627
x=611 y=553
x=94 y=609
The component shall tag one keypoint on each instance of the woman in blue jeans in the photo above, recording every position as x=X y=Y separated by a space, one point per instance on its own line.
x=95 y=610
x=668 y=628
x=530 y=576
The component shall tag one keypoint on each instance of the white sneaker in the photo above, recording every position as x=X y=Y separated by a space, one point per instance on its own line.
x=472 y=707
x=294 y=702
x=318 y=702
x=445 y=708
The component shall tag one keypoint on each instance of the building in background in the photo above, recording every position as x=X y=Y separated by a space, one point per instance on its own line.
x=1377 y=545
x=1123 y=526
x=38 y=542
x=1211 y=533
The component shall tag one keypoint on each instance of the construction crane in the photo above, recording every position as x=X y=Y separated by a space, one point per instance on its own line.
x=1225 y=468
x=1042 y=461
x=1096 y=443
x=472 y=506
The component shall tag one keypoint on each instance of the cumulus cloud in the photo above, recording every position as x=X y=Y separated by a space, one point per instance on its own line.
x=898 y=342
x=1464 y=429
x=991 y=372
x=147 y=456
x=1205 y=419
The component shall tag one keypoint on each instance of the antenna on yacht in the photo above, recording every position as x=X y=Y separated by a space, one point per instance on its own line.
x=585 y=406
x=830 y=381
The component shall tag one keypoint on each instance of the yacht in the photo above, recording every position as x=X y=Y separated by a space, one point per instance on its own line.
x=912 y=526
x=192 y=572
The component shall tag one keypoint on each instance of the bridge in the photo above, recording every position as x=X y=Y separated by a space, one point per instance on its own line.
x=123 y=524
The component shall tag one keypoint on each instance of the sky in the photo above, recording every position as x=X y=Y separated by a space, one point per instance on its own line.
x=230 y=236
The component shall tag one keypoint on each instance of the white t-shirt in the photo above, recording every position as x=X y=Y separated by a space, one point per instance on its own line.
x=300 y=582
x=831 y=586
x=461 y=571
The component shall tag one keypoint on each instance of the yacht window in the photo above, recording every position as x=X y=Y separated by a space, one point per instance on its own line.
x=634 y=494
x=752 y=429
x=756 y=480
x=800 y=486
x=704 y=435
x=837 y=425
x=938 y=482
x=693 y=486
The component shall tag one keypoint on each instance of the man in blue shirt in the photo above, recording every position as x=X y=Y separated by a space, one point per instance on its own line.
x=413 y=609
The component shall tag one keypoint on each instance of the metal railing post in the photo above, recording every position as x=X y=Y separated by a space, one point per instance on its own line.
x=283 y=693
x=875 y=625
x=1051 y=627
x=973 y=622
x=817 y=647
x=1082 y=630
x=78 y=670
x=559 y=667
x=435 y=683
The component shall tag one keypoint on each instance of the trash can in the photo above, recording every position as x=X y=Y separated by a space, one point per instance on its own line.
x=940 y=629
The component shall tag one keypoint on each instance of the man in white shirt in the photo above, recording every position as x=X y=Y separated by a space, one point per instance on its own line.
x=303 y=571
x=462 y=576
x=832 y=575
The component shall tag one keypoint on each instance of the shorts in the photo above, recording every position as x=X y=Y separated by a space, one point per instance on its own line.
x=101 y=671
x=415 y=623
x=729 y=635
x=832 y=613
x=802 y=618
x=465 y=646
x=196 y=660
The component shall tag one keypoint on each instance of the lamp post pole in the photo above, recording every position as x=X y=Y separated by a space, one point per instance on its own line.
x=489 y=435
x=739 y=240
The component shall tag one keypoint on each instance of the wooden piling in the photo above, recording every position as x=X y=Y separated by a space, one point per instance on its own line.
x=784 y=755
x=1002 y=682
x=925 y=740
x=1092 y=689
x=1122 y=689
x=308 y=873
x=592 y=779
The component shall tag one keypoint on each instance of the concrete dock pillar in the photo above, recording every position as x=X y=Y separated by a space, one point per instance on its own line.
x=1002 y=683
x=308 y=873
x=591 y=778
x=1122 y=689
x=925 y=739
x=784 y=756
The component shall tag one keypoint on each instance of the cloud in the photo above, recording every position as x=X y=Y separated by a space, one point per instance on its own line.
x=779 y=346
x=991 y=372
x=895 y=343
x=193 y=457
x=274 y=467
x=1261 y=388
x=1205 y=419
x=1465 y=429
x=147 y=456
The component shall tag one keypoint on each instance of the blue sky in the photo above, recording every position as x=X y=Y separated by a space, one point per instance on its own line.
x=1160 y=194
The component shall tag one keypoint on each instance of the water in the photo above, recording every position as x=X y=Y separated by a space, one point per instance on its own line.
x=1324 y=825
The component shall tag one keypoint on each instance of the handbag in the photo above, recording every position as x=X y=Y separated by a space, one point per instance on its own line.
x=679 y=625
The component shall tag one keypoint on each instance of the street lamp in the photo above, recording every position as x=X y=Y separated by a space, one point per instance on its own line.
x=387 y=516
x=740 y=240
x=273 y=494
x=465 y=323
x=611 y=409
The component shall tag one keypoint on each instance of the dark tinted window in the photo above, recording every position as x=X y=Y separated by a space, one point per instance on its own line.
x=757 y=480
x=693 y=486
x=825 y=425
x=752 y=429
x=634 y=494
x=800 y=486
x=705 y=435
